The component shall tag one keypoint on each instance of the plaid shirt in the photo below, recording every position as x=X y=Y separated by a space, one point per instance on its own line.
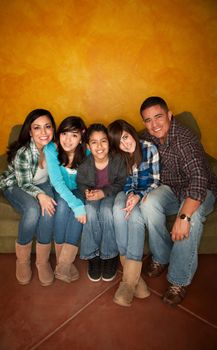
x=22 y=170
x=184 y=166
x=147 y=177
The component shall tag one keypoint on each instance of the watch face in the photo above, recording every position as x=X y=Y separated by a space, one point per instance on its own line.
x=182 y=216
x=185 y=217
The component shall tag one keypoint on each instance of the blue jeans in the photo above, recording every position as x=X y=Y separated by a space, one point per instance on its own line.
x=182 y=256
x=67 y=229
x=32 y=223
x=130 y=233
x=98 y=235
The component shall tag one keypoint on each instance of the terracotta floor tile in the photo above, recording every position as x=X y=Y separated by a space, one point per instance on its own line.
x=148 y=324
x=82 y=315
x=31 y=312
x=201 y=297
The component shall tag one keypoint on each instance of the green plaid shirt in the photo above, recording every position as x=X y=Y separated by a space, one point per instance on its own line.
x=21 y=171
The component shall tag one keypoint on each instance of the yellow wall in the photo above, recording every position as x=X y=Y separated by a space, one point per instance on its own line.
x=100 y=59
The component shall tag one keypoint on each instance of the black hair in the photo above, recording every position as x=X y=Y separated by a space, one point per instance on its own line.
x=95 y=127
x=115 y=131
x=153 y=101
x=24 y=137
x=69 y=124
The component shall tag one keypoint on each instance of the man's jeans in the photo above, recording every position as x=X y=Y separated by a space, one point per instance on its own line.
x=98 y=236
x=130 y=233
x=182 y=256
x=32 y=223
x=67 y=229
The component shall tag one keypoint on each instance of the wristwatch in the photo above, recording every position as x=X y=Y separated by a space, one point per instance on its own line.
x=185 y=217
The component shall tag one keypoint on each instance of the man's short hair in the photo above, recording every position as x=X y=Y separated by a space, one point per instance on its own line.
x=153 y=101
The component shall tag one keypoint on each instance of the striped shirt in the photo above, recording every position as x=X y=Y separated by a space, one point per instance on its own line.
x=146 y=177
x=184 y=166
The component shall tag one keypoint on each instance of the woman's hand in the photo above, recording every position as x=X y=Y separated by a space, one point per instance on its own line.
x=94 y=195
x=131 y=202
x=47 y=204
x=82 y=219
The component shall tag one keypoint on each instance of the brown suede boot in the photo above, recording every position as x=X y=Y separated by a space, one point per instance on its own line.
x=66 y=270
x=141 y=290
x=127 y=288
x=45 y=272
x=23 y=267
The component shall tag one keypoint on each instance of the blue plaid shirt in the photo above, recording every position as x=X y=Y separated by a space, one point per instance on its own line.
x=147 y=177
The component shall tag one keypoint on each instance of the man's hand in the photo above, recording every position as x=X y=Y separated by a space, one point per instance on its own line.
x=180 y=230
x=47 y=204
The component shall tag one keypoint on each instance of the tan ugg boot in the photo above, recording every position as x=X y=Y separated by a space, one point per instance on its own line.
x=23 y=267
x=66 y=270
x=141 y=290
x=131 y=275
x=45 y=272
x=58 y=248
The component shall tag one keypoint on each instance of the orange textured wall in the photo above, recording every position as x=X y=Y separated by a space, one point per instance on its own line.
x=101 y=59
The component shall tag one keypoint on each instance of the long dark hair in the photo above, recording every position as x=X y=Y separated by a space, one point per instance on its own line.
x=24 y=137
x=115 y=131
x=69 y=124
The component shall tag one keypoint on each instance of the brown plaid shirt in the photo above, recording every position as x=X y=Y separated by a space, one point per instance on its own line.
x=184 y=166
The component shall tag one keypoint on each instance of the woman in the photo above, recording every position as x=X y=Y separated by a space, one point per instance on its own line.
x=62 y=160
x=142 y=162
x=25 y=185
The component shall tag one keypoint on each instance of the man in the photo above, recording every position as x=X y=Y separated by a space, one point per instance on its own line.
x=188 y=189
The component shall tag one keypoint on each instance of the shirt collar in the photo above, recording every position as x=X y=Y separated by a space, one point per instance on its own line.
x=33 y=147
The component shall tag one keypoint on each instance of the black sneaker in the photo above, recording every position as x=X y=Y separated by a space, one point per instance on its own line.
x=109 y=269
x=94 y=272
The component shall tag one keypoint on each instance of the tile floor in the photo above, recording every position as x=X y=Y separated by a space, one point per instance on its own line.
x=82 y=315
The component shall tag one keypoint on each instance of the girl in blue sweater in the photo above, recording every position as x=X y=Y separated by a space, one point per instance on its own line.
x=62 y=160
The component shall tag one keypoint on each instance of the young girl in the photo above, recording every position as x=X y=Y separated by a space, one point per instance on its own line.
x=100 y=177
x=142 y=161
x=25 y=185
x=62 y=162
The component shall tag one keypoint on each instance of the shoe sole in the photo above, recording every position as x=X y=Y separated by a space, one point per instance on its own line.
x=46 y=284
x=142 y=296
x=116 y=301
x=65 y=279
x=109 y=279
x=93 y=280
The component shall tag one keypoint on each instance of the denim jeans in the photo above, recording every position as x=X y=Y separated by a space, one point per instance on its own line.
x=32 y=223
x=130 y=233
x=98 y=236
x=182 y=256
x=67 y=229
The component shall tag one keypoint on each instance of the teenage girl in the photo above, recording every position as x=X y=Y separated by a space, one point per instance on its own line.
x=142 y=160
x=62 y=159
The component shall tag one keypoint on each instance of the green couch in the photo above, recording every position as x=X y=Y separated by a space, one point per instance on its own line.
x=9 y=219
